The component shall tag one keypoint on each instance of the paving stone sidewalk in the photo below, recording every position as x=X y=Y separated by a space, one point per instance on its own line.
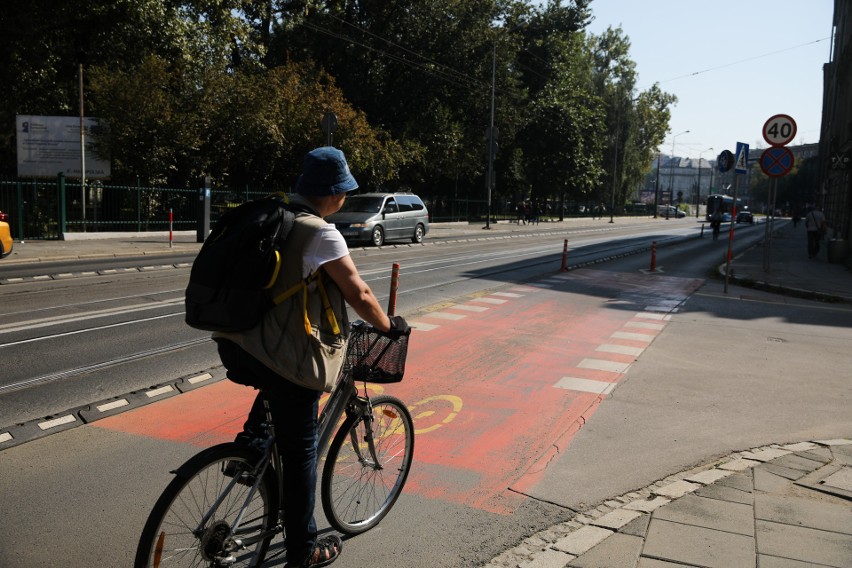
x=787 y=506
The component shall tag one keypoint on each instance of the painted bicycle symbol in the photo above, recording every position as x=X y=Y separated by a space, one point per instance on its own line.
x=429 y=414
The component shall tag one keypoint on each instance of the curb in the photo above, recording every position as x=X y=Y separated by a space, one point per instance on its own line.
x=630 y=514
x=21 y=433
x=777 y=288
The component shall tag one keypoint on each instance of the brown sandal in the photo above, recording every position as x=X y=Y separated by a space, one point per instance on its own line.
x=326 y=550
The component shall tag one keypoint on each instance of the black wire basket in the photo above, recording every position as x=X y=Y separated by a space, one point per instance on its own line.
x=373 y=357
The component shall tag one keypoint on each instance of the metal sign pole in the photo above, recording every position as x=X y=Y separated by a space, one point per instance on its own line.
x=82 y=151
x=731 y=232
x=770 y=224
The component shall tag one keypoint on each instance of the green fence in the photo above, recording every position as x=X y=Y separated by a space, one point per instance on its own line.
x=47 y=209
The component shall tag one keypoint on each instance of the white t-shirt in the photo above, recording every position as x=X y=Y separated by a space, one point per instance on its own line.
x=814 y=220
x=326 y=245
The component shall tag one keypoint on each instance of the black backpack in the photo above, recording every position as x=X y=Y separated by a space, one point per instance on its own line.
x=237 y=265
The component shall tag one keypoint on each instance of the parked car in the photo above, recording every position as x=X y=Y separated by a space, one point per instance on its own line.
x=745 y=216
x=6 y=242
x=380 y=217
x=672 y=211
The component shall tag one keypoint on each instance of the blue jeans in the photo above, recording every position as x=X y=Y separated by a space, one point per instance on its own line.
x=294 y=414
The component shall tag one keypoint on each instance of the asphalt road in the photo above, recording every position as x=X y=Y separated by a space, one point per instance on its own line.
x=529 y=441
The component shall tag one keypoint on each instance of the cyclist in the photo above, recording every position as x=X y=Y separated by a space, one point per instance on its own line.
x=292 y=366
x=716 y=224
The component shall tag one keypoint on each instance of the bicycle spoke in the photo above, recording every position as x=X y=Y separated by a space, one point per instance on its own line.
x=357 y=493
x=194 y=519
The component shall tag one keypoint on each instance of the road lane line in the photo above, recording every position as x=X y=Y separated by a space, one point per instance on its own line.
x=469 y=308
x=620 y=349
x=48 y=424
x=87 y=330
x=585 y=385
x=72 y=318
x=633 y=336
x=112 y=405
x=443 y=315
x=645 y=325
x=604 y=365
x=654 y=316
x=489 y=300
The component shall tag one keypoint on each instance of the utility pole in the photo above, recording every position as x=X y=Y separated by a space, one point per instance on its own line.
x=489 y=176
x=698 y=193
x=657 y=186
x=82 y=151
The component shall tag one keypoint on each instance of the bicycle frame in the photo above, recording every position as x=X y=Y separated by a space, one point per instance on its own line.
x=343 y=397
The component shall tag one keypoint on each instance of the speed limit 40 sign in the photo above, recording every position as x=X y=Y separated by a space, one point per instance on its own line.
x=779 y=130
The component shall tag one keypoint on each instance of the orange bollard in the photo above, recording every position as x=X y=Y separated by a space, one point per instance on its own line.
x=565 y=256
x=653 y=256
x=394 y=286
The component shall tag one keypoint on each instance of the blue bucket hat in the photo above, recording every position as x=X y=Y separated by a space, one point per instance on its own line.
x=325 y=172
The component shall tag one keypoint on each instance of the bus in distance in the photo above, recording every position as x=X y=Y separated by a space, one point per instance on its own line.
x=722 y=203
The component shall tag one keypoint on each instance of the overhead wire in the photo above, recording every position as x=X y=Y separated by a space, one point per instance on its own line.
x=434 y=68
x=452 y=71
x=743 y=60
x=431 y=66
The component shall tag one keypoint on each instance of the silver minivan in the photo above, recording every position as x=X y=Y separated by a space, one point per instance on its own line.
x=380 y=217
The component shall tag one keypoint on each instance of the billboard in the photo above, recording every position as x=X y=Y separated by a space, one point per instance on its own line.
x=49 y=145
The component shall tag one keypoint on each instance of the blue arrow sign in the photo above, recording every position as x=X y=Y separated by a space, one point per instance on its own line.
x=741 y=165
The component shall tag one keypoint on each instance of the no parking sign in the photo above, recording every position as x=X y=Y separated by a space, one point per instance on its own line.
x=776 y=161
x=778 y=131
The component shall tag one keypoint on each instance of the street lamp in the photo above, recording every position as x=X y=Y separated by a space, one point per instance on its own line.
x=489 y=176
x=698 y=193
x=671 y=173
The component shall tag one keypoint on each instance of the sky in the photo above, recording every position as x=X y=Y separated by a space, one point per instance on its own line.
x=732 y=65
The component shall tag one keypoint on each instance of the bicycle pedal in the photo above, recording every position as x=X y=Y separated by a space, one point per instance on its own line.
x=232 y=469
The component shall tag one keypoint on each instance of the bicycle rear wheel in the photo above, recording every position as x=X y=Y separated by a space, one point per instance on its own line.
x=176 y=533
x=357 y=493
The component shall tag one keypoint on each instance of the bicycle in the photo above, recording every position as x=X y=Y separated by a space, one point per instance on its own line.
x=222 y=508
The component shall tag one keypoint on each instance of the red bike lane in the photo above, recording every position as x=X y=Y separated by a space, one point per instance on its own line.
x=497 y=384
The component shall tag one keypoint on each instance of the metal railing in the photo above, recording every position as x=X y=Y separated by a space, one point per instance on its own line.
x=47 y=209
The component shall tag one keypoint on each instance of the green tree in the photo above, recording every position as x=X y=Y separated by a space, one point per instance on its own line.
x=44 y=42
x=262 y=125
x=794 y=190
x=168 y=127
x=235 y=89
x=565 y=132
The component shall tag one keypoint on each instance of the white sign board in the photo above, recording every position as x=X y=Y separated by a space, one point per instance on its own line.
x=48 y=145
x=779 y=130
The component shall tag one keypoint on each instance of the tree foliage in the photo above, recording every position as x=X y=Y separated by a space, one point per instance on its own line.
x=236 y=89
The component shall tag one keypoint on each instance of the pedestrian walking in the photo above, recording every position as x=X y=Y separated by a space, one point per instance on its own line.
x=816 y=225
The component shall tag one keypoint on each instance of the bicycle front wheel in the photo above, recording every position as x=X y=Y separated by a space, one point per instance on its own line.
x=357 y=491
x=193 y=521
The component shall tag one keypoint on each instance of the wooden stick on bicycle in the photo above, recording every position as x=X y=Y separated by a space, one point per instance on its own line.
x=394 y=286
